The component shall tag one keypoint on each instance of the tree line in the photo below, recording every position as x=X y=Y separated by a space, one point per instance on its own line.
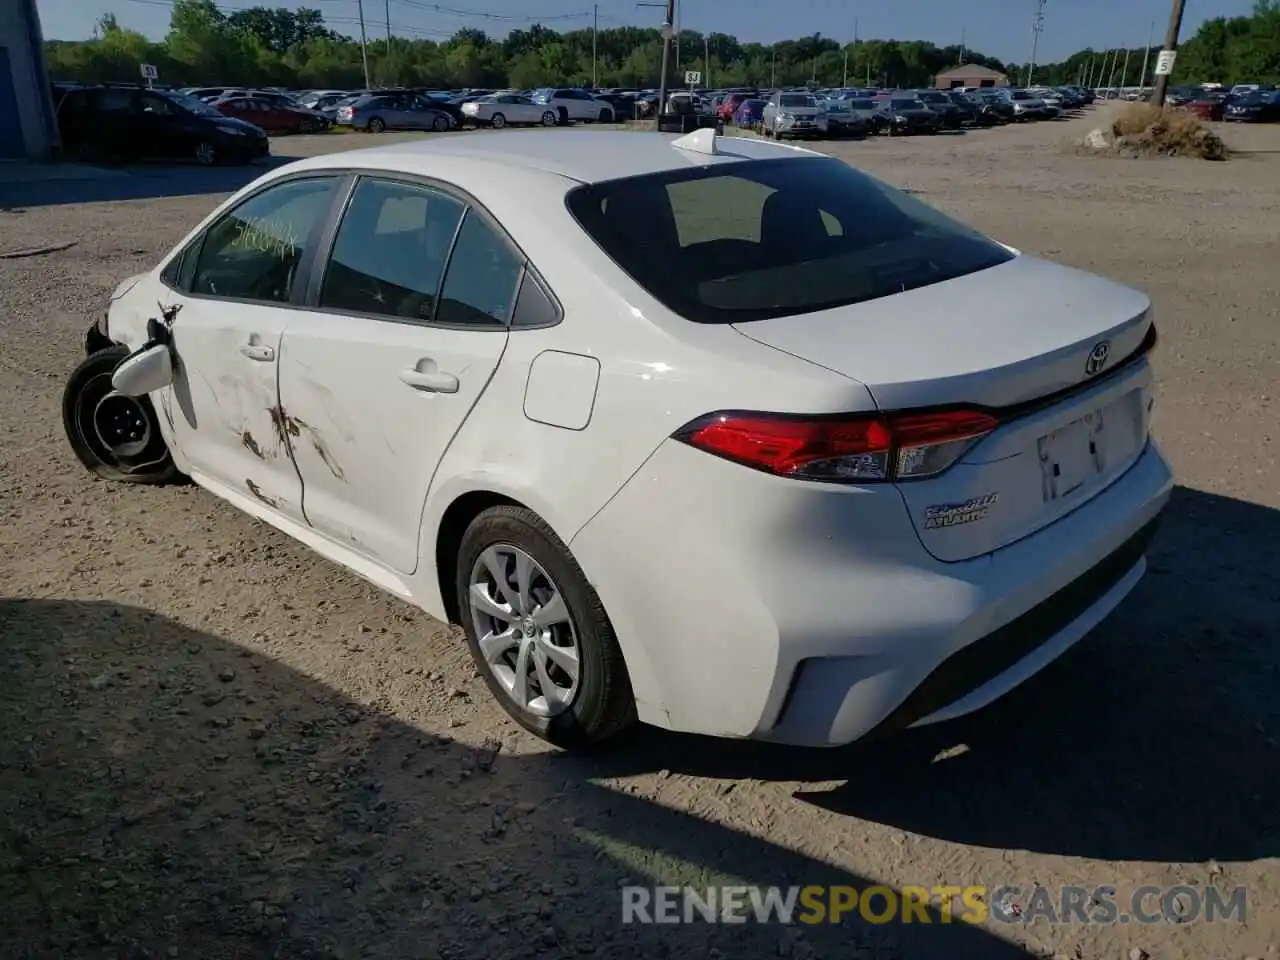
x=300 y=49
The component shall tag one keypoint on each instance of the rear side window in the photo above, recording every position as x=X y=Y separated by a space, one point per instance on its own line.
x=736 y=242
x=391 y=251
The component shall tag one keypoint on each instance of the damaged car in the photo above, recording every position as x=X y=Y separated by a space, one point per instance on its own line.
x=829 y=464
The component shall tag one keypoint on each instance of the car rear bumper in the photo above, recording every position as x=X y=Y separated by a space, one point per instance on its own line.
x=755 y=607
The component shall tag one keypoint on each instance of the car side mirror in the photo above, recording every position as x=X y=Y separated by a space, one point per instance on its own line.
x=147 y=369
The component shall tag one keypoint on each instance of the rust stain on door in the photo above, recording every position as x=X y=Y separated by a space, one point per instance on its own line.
x=258 y=494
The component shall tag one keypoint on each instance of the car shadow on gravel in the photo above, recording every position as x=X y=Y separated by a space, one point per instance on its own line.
x=1155 y=739
x=164 y=792
x=134 y=182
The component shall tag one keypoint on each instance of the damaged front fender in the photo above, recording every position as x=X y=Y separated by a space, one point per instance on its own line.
x=96 y=337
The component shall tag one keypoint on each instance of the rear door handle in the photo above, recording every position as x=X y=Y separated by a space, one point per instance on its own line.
x=430 y=381
x=257 y=351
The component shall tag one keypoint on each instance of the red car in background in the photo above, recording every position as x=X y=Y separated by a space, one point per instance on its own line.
x=730 y=104
x=270 y=116
x=1208 y=107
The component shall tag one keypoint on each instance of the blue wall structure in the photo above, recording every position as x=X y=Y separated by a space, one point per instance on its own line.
x=28 y=128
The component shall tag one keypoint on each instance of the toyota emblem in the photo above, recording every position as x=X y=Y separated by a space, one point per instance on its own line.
x=1097 y=357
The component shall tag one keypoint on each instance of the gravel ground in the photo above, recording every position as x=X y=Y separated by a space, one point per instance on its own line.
x=214 y=744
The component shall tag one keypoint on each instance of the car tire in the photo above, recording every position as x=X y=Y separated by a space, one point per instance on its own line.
x=606 y=116
x=497 y=121
x=377 y=125
x=440 y=124
x=599 y=702
x=549 y=118
x=205 y=154
x=113 y=436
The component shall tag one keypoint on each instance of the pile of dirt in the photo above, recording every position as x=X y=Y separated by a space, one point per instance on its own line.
x=1145 y=130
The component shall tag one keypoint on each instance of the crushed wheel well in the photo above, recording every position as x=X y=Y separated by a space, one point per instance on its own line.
x=95 y=340
x=453 y=525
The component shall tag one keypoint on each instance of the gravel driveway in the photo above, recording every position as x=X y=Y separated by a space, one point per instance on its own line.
x=215 y=745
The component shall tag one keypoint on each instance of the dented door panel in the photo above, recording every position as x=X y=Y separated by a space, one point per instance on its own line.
x=223 y=407
x=370 y=408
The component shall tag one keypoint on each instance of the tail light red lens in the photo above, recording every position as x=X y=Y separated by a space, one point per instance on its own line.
x=855 y=449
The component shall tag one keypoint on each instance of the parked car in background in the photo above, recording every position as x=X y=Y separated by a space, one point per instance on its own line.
x=750 y=113
x=274 y=118
x=974 y=111
x=135 y=123
x=503 y=109
x=574 y=106
x=729 y=105
x=995 y=105
x=838 y=119
x=1027 y=106
x=1207 y=106
x=791 y=114
x=949 y=113
x=907 y=115
x=623 y=104
x=869 y=110
x=376 y=113
x=1262 y=106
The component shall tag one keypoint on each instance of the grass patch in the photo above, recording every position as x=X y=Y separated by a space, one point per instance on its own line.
x=1170 y=132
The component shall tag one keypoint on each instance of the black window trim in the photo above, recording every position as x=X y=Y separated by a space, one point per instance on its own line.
x=305 y=294
x=329 y=236
x=195 y=247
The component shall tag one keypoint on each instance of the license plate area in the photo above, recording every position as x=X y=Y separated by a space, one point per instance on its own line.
x=1072 y=456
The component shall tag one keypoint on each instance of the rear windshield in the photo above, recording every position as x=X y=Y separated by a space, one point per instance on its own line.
x=796 y=100
x=906 y=104
x=861 y=104
x=735 y=242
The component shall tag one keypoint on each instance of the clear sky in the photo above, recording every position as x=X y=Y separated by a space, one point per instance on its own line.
x=1000 y=28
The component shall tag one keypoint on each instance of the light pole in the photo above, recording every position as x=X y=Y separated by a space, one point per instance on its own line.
x=1037 y=27
x=1167 y=55
x=364 y=52
x=667 y=32
x=1146 y=56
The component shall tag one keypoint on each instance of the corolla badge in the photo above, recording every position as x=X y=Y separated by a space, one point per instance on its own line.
x=1097 y=357
x=953 y=514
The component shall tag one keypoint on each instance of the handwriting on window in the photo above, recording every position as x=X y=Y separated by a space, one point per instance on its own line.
x=268 y=235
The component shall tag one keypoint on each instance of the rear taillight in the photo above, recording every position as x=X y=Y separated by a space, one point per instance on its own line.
x=854 y=449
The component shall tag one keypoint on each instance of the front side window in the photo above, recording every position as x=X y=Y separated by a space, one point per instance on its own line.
x=753 y=240
x=253 y=253
x=391 y=251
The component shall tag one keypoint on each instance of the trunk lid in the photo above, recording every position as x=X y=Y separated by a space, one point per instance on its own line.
x=1016 y=339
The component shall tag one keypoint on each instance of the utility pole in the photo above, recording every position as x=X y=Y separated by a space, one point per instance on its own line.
x=364 y=52
x=1037 y=27
x=667 y=33
x=1164 y=63
x=706 y=61
x=1146 y=56
x=1124 y=71
x=845 y=81
x=595 y=29
x=386 y=71
x=773 y=68
x=963 y=32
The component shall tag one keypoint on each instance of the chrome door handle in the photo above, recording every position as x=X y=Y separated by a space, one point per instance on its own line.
x=430 y=381
x=257 y=351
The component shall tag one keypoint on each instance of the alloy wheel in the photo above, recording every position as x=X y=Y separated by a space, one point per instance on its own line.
x=524 y=630
x=498 y=121
x=206 y=154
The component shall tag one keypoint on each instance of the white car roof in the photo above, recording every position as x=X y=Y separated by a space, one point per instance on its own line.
x=585 y=156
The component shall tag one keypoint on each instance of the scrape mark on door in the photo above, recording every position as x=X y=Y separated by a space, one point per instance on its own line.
x=257 y=492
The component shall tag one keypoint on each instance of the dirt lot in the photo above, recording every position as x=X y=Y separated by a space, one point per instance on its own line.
x=215 y=745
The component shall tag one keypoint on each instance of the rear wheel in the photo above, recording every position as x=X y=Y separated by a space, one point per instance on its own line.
x=549 y=118
x=114 y=436
x=377 y=125
x=440 y=123
x=538 y=632
x=497 y=121
x=606 y=116
x=205 y=153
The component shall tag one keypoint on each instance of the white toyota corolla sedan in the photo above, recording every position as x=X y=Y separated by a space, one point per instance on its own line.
x=719 y=434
